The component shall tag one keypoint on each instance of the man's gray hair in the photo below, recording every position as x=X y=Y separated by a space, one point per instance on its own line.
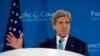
x=60 y=13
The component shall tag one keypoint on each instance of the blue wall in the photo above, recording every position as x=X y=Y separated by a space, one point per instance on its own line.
x=37 y=14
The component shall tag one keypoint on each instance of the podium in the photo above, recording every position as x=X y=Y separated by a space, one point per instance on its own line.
x=39 y=52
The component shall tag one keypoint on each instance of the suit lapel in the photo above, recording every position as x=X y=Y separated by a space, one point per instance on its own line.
x=70 y=44
x=53 y=43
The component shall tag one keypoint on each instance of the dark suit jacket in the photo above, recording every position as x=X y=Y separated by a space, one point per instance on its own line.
x=73 y=44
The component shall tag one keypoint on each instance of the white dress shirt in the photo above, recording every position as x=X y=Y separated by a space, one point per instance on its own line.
x=64 y=43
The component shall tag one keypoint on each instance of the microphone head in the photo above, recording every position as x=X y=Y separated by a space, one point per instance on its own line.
x=60 y=41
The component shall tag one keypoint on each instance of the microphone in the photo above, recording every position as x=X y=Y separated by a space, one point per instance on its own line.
x=60 y=46
x=60 y=41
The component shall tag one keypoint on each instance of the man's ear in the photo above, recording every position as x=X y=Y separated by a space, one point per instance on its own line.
x=54 y=27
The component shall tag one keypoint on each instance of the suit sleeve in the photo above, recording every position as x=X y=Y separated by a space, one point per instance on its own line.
x=85 y=49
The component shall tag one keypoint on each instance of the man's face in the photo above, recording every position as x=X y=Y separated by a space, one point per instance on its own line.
x=62 y=26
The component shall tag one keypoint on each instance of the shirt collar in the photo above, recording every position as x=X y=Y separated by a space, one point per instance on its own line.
x=58 y=38
x=65 y=38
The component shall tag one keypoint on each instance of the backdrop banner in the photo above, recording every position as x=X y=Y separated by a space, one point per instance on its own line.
x=36 y=18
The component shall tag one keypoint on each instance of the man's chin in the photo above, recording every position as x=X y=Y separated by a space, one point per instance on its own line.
x=64 y=36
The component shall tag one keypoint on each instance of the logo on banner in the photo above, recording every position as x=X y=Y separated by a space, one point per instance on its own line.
x=36 y=16
x=95 y=15
x=94 y=47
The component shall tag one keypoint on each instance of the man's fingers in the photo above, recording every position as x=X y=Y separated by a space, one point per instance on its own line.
x=8 y=36
x=21 y=35
x=8 y=44
x=11 y=34
x=9 y=40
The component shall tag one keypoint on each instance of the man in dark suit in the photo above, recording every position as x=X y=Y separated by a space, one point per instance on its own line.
x=61 y=23
x=73 y=44
x=63 y=40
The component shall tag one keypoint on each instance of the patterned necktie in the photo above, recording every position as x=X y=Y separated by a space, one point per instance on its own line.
x=60 y=46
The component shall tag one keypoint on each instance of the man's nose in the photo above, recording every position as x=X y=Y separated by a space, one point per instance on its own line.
x=64 y=25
